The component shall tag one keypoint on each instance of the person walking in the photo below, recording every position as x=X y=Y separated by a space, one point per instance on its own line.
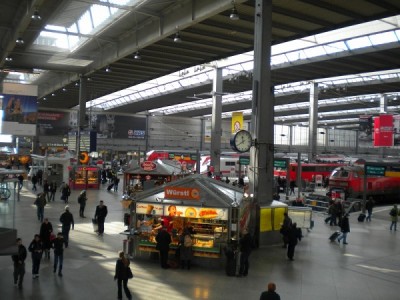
x=34 y=182
x=163 y=240
x=292 y=185
x=53 y=190
x=67 y=221
x=45 y=231
x=82 y=203
x=369 y=205
x=344 y=228
x=116 y=182
x=186 y=249
x=19 y=263
x=293 y=236
x=100 y=215
x=394 y=217
x=287 y=223
x=65 y=192
x=246 y=244
x=121 y=275
x=36 y=248
x=58 y=245
x=270 y=293
x=40 y=203
x=46 y=190
x=20 y=181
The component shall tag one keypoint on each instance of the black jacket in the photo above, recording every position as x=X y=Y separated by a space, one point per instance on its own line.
x=345 y=225
x=36 y=248
x=101 y=213
x=21 y=256
x=58 y=245
x=270 y=295
x=246 y=243
x=45 y=230
x=163 y=239
x=67 y=219
x=121 y=270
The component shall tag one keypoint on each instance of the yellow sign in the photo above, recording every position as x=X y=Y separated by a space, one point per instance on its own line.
x=237 y=121
x=181 y=193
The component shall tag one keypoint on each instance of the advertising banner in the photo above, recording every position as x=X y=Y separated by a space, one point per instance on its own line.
x=19 y=108
x=149 y=209
x=365 y=128
x=120 y=127
x=56 y=123
x=196 y=212
x=181 y=193
x=383 y=131
x=237 y=121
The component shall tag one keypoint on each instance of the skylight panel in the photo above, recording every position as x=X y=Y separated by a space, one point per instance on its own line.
x=296 y=55
x=85 y=23
x=335 y=47
x=360 y=42
x=100 y=13
x=383 y=38
x=315 y=51
x=279 y=59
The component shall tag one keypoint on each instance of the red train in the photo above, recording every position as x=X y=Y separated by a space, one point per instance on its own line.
x=308 y=171
x=350 y=180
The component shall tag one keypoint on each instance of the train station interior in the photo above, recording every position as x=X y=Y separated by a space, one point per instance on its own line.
x=87 y=85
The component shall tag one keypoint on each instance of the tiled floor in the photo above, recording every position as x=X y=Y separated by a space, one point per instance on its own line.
x=367 y=268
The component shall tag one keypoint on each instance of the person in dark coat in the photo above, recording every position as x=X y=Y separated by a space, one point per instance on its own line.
x=369 y=206
x=270 y=293
x=20 y=181
x=34 y=182
x=46 y=190
x=163 y=239
x=36 y=248
x=246 y=244
x=82 y=203
x=65 y=192
x=287 y=222
x=186 y=249
x=45 y=231
x=67 y=221
x=121 y=275
x=58 y=245
x=344 y=228
x=19 y=263
x=53 y=190
x=40 y=203
x=293 y=236
x=100 y=215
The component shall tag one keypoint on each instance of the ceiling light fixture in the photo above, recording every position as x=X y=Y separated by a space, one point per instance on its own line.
x=64 y=89
x=177 y=38
x=137 y=55
x=8 y=58
x=19 y=41
x=36 y=16
x=77 y=83
x=108 y=69
x=234 y=16
x=53 y=95
x=44 y=98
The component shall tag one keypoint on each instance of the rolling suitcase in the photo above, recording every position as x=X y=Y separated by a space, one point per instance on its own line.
x=334 y=236
x=110 y=187
x=361 y=218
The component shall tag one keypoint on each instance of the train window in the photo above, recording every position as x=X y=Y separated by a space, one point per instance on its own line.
x=229 y=163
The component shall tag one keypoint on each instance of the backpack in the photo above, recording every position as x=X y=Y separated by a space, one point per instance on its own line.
x=393 y=212
x=187 y=241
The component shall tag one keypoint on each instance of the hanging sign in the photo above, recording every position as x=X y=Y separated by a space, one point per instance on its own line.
x=181 y=193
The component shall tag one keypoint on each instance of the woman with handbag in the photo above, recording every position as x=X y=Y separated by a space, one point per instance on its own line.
x=122 y=274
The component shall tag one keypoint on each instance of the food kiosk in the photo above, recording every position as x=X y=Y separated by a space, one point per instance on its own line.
x=207 y=206
x=151 y=173
x=84 y=178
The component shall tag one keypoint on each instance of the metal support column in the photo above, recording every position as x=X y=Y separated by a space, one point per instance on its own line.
x=146 y=147
x=312 y=128
x=216 y=131
x=82 y=112
x=202 y=134
x=383 y=110
x=261 y=174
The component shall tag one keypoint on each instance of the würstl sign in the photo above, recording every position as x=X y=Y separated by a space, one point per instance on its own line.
x=181 y=193
x=148 y=165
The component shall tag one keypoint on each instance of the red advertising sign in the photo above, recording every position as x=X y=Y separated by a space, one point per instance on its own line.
x=148 y=165
x=383 y=131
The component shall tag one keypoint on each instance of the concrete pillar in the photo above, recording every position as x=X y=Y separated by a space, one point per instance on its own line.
x=313 y=122
x=202 y=134
x=290 y=138
x=216 y=131
x=147 y=134
x=262 y=155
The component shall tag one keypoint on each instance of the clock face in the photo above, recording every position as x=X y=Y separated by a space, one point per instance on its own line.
x=242 y=141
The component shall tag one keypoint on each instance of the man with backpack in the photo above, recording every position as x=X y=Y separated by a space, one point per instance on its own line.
x=394 y=216
x=40 y=203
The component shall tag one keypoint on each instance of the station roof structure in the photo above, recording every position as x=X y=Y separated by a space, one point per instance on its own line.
x=74 y=38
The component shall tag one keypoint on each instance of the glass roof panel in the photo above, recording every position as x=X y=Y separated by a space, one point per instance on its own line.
x=383 y=38
x=360 y=42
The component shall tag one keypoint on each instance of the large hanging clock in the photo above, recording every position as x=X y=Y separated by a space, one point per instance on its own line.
x=241 y=141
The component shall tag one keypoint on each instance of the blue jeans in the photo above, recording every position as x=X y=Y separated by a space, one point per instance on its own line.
x=65 y=233
x=343 y=237
x=40 y=213
x=58 y=260
x=369 y=215
x=394 y=224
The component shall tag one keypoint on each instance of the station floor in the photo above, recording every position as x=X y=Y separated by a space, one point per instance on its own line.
x=368 y=268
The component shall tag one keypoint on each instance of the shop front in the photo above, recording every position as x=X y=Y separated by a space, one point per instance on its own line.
x=84 y=178
x=206 y=207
